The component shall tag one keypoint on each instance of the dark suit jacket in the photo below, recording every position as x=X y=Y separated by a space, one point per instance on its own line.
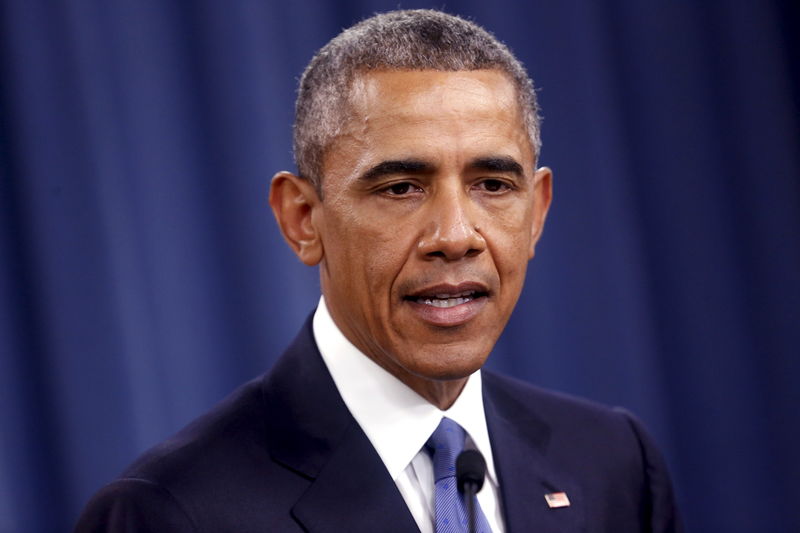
x=283 y=453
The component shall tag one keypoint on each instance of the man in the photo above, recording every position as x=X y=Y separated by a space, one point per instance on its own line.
x=416 y=140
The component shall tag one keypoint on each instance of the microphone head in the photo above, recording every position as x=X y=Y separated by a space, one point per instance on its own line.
x=470 y=468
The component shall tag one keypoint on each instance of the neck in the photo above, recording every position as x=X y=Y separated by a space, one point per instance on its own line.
x=442 y=394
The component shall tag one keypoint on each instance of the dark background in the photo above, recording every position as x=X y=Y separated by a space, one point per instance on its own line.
x=142 y=276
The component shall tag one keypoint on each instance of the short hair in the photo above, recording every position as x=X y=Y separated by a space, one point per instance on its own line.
x=419 y=39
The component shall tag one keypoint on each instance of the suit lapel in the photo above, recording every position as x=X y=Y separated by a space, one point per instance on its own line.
x=354 y=492
x=311 y=432
x=519 y=447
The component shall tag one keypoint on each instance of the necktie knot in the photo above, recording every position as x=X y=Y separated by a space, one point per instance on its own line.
x=445 y=444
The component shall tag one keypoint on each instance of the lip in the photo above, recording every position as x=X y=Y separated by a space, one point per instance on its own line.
x=475 y=293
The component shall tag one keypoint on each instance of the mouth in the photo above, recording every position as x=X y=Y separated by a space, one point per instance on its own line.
x=445 y=300
x=449 y=305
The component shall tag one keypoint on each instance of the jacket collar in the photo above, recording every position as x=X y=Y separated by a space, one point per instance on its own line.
x=310 y=431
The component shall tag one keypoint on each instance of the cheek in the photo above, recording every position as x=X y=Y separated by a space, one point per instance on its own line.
x=510 y=243
x=366 y=253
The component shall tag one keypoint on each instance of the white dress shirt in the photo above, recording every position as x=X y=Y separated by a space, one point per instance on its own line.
x=398 y=422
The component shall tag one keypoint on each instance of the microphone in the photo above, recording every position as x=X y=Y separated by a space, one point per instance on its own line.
x=470 y=472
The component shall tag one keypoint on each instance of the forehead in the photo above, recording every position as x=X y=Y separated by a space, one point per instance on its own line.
x=431 y=115
x=400 y=94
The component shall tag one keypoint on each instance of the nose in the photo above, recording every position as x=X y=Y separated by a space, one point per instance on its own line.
x=451 y=232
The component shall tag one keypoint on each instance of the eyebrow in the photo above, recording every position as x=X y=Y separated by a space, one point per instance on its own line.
x=497 y=164
x=396 y=166
x=416 y=166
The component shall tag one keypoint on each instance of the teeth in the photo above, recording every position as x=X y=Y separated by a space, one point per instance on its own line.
x=459 y=295
x=444 y=302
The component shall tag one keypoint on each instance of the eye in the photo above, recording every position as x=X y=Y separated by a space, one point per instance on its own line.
x=402 y=188
x=493 y=185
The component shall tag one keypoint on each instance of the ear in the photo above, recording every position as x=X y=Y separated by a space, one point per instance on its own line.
x=542 y=196
x=293 y=201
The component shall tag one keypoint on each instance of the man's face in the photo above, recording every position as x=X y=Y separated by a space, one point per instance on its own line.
x=431 y=210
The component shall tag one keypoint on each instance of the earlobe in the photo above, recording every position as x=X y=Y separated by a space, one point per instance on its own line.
x=293 y=201
x=542 y=196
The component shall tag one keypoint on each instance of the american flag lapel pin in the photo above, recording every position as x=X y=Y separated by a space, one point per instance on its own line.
x=556 y=500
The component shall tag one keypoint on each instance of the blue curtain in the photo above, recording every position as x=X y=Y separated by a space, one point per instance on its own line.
x=142 y=276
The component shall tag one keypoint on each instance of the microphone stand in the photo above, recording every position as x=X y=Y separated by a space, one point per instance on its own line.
x=470 y=494
x=470 y=473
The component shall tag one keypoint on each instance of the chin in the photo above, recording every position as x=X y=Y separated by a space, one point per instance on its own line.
x=449 y=364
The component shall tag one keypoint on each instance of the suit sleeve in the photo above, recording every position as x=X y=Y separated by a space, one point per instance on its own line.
x=661 y=512
x=134 y=506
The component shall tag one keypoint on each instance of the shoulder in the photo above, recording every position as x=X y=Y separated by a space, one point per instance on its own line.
x=606 y=450
x=131 y=504
x=568 y=425
x=217 y=472
x=235 y=422
x=202 y=478
x=552 y=407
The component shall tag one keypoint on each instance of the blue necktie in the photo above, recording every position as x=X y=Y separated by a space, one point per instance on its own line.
x=446 y=442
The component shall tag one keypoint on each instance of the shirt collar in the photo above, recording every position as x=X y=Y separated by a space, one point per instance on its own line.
x=397 y=420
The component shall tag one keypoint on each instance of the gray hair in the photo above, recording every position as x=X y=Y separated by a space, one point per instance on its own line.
x=420 y=39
